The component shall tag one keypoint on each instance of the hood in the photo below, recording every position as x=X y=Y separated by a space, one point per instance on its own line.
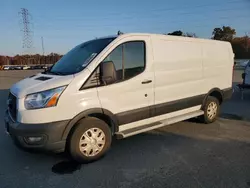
x=39 y=82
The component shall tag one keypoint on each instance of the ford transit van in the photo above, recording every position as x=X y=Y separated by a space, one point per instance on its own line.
x=119 y=86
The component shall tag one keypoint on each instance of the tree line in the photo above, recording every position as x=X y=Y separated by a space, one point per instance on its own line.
x=240 y=45
x=36 y=59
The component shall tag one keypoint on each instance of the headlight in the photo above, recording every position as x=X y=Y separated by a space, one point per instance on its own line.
x=43 y=99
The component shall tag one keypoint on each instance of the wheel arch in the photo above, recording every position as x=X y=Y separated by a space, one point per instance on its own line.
x=215 y=92
x=99 y=113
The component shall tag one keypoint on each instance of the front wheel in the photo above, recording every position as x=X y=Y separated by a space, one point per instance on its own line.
x=90 y=140
x=211 y=110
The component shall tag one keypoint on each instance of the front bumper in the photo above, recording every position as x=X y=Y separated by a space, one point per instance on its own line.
x=50 y=134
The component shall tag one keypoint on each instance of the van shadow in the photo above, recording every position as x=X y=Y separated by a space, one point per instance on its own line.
x=127 y=152
x=233 y=117
x=152 y=147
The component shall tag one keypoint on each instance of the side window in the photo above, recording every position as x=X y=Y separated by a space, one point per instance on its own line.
x=93 y=80
x=129 y=59
x=116 y=57
x=134 y=59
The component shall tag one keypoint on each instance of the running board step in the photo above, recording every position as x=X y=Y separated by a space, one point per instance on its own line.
x=158 y=124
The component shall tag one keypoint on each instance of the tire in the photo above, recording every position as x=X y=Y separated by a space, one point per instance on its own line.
x=87 y=131
x=208 y=110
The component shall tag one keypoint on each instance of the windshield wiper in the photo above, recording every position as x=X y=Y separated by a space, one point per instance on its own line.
x=52 y=72
x=56 y=73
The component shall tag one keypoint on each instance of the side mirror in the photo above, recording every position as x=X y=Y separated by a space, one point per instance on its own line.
x=108 y=72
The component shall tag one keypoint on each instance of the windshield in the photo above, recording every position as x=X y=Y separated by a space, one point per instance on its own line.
x=79 y=57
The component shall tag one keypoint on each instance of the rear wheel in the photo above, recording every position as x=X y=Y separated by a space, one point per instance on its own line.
x=211 y=110
x=90 y=140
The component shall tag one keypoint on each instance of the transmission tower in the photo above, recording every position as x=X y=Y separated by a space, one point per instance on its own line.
x=27 y=43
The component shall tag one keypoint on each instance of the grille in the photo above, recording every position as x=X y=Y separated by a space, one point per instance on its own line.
x=12 y=105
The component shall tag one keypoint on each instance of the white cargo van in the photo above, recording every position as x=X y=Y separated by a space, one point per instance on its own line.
x=119 y=86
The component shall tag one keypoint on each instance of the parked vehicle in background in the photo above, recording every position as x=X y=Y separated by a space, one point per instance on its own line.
x=25 y=67
x=39 y=67
x=119 y=86
x=244 y=63
x=6 y=68
x=246 y=74
x=36 y=67
x=17 y=67
x=31 y=67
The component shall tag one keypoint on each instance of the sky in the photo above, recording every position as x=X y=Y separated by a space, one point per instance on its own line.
x=64 y=24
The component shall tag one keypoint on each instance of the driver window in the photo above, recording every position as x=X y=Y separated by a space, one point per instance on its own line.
x=129 y=59
x=116 y=57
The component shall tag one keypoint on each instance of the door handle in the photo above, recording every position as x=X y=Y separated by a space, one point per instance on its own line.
x=146 y=81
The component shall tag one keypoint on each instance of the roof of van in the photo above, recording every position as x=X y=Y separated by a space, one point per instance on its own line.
x=163 y=36
x=171 y=37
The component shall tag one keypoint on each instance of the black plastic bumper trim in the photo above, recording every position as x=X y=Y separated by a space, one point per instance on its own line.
x=52 y=133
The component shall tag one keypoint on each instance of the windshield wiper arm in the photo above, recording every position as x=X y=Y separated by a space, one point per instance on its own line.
x=56 y=73
x=52 y=72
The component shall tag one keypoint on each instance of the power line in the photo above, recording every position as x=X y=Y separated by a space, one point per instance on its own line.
x=162 y=28
x=197 y=6
x=155 y=18
x=162 y=9
x=173 y=22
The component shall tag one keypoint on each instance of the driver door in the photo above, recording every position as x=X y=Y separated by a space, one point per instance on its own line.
x=131 y=96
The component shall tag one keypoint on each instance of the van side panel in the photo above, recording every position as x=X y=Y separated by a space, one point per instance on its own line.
x=178 y=71
x=217 y=65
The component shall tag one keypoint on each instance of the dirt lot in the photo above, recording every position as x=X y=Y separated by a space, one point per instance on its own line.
x=186 y=154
